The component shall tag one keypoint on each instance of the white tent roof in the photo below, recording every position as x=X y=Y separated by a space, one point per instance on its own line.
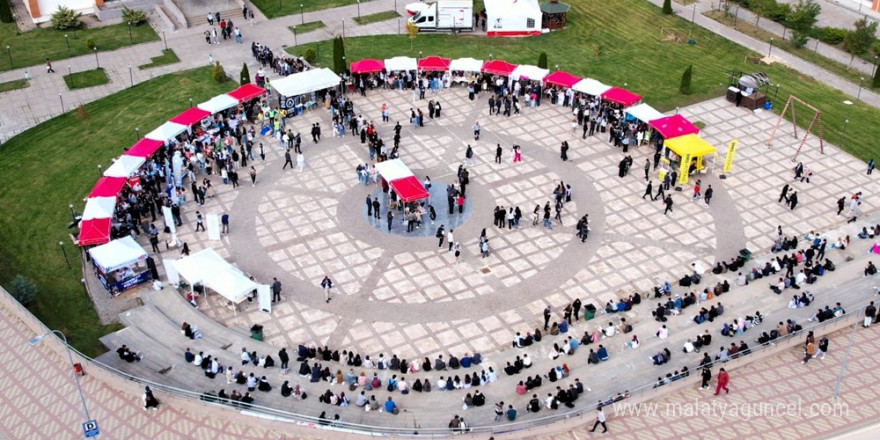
x=210 y=269
x=466 y=64
x=591 y=87
x=218 y=103
x=99 y=207
x=117 y=254
x=199 y=266
x=401 y=63
x=512 y=8
x=393 y=169
x=231 y=284
x=306 y=82
x=644 y=112
x=124 y=166
x=166 y=131
x=533 y=73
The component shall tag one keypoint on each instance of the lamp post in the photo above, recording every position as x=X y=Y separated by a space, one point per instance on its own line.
x=294 y=36
x=859 y=95
x=302 y=18
x=96 y=59
x=130 y=38
x=99 y=169
x=343 y=28
x=72 y=212
x=771 y=47
x=63 y=251
x=36 y=340
x=62 y=102
x=137 y=133
x=490 y=57
x=843 y=135
x=69 y=71
x=9 y=53
x=164 y=40
x=735 y=15
x=130 y=75
x=557 y=67
x=420 y=54
x=776 y=92
x=359 y=8
x=694 y=13
x=67 y=40
x=874 y=70
x=190 y=102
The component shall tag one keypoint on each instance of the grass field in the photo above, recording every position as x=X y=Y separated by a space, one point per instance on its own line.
x=168 y=57
x=13 y=85
x=375 y=18
x=308 y=27
x=33 y=47
x=55 y=164
x=642 y=50
x=276 y=8
x=87 y=78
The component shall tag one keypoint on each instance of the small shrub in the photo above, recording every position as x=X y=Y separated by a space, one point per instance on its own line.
x=90 y=44
x=833 y=35
x=542 y=60
x=66 y=18
x=309 y=55
x=81 y=113
x=780 y=12
x=133 y=16
x=23 y=290
x=5 y=12
x=245 y=76
x=218 y=74
x=667 y=7
x=685 y=88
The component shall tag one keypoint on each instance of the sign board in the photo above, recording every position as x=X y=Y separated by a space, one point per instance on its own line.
x=728 y=161
x=90 y=429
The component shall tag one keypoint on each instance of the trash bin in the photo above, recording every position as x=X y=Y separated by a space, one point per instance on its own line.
x=745 y=254
x=257 y=332
x=589 y=312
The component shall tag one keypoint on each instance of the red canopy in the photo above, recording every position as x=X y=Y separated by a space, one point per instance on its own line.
x=247 y=92
x=108 y=187
x=498 y=67
x=94 y=231
x=367 y=66
x=191 y=116
x=144 y=148
x=409 y=189
x=673 y=126
x=561 y=78
x=621 y=96
x=434 y=64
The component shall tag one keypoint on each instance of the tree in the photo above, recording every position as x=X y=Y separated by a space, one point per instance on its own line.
x=66 y=18
x=542 y=60
x=411 y=31
x=876 y=82
x=685 y=88
x=801 y=19
x=860 y=39
x=245 y=76
x=133 y=16
x=218 y=74
x=338 y=55
x=5 y=12
x=667 y=7
x=762 y=7
x=23 y=290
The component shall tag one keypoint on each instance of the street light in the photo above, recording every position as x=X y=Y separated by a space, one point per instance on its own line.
x=164 y=40
x=62 y=102
x=130 y=75
x=36 y=341
x=99 y=169
x=137 y=133
x=359 y=8
x=190 y=102
x=771 y=47
x=67 y=40
x=694 y=14
x=96 y=59
x=130 y=38
x=861 y=80
x=843 y=136
x=9 y=53
x=294 y=36
x=735 y=14
x=301 y=16
x=874 y=70
x=63 y=251
x=72 y=212
x=420 y=54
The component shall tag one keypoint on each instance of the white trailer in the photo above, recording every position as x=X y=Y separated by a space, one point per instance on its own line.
x=445 y=15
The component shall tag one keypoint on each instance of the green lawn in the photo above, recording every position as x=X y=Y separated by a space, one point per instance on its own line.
x=58 y=161
x=375 y=18
x=13 y=85
x=636 y=52
x=308 y=27
x=33 y=47
x=278 y=8
x=168 y=57
x=88 y=78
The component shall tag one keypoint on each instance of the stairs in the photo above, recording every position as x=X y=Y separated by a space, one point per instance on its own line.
x=201 y=19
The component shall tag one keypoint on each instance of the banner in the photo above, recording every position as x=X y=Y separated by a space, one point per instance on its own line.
x=728 y=160
x=683 y=171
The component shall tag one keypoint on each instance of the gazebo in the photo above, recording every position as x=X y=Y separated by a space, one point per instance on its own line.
x=553 y=14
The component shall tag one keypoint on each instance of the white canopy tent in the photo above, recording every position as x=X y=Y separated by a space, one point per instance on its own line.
x=124 y=166
x=117 y=254
x=166 y=131
x=401 y=63
x=393 y=169
x=218 y=103
x=644 y=113
x=508 y=18
x=591 y=87
x=213 y=272
x=466 y=65
x=306 y=82
x=533 y=73
x=99 y=207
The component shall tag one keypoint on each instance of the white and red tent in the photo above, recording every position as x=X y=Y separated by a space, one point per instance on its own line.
x=402 y=180
x=218 y=103
x=512 y=18
x=124 y=166
x=144 y=148
x=108 y=187
x=191 y=116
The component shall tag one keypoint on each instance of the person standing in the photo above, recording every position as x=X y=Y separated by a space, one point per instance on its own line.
x=822 y=349
x=649 y=191
x=224 y=222
x=809 y=351
x=300 y=162
x=696 y=191
x=369 y=203
x=199 y=222
x=476 y=128
x=390 y=218
x=498 y=151
x=647 y=168
x=600 y=420
x=668 y=202
x=150 y=400
x=326 y=284
x=870 y=313
x=547 y=318
x=440 y=235
x=870 y=166
x=499 y=411
x=450 y=238
x=576 y=309
x=841 y=202
x=792 y=200
x=376 y=207
x=708 y=195
x=49 y=69
x=706 y=376
x=276 y=290
x=723 y=380
x=253 y=173
x=564 y=151
x=287 y=159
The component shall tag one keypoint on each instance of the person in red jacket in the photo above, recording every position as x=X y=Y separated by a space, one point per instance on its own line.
x=723 y=379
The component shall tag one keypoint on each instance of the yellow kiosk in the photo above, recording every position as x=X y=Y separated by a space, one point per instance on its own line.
x=690 y=148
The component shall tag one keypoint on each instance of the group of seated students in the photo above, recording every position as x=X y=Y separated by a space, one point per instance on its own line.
x=782 y=329
x=623 y=305
x=828 y=313
x=709 y=314
x=661 y=357
x=520 y=342
x=870 y=269
x=870 y=232
x=394 y=364
x=563 y=396
x=518 y=365
x=741 y=325
x=674 y=306
x=734 y=265
x=209 y=364
x=600 y=355
x=127 y=355
x=671 y=377
x=190 y=331
x=234 y=399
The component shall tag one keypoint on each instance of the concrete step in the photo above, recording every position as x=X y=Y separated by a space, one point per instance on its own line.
x=201 y=20
x=178 y=310
x=156 y=359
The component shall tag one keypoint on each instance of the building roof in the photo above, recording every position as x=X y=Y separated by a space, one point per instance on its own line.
x=554 y=8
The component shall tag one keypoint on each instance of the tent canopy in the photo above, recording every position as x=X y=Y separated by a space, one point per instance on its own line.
x=306 y=82
x=401 y=63
x=409 y=189
x=563 y=79
x=191 y=116
x=533 y=73
x=434 y=64
x=466 y=64
x=498 y=67
x=218 y=103
x=674 y=126
x=166 y=131
x=247 y=92
x=108 y=187
x=117 y=254
x=621 y=96
x=512 y=17
x=689 y=144
x=144 y=148
x=199 y=266
x=394 y=169
x=99 y=207
x=644 y=112
x=591 y=87
x=124 y=166
x=94 y=231
x=367 y=66
x=212 y=271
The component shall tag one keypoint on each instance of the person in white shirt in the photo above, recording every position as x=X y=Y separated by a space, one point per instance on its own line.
x=688 y=346
x=610 y=330
x=402 y=386
x=527 y=361
x=663 y=332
